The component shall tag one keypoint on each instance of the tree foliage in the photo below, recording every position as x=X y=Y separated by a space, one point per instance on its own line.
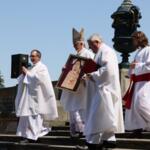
x=1 y=81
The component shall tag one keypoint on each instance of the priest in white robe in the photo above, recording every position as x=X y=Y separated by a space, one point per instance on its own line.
x=35 y=100
x=74 y=102
x=104 y=115
x=137 y=115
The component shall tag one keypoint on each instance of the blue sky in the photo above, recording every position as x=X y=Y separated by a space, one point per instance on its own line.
x=47 y=25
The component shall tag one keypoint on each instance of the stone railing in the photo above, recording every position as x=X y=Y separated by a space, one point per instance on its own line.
x=7 y=109
x=7 y=97
x=8 y=120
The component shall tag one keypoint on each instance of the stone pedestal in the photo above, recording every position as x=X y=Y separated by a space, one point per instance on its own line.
x=124 y=80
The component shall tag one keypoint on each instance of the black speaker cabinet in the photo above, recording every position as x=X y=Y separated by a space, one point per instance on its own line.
x=17 y=61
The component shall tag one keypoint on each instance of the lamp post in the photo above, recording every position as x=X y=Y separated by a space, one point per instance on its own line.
x=126 y=21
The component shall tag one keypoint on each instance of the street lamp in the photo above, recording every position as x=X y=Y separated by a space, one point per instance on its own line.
x=126 y=21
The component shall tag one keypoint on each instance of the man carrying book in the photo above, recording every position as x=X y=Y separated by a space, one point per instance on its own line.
x=104 y=115
x=74 y=102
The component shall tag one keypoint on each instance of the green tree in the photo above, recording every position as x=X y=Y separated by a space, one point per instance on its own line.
x=1 y=81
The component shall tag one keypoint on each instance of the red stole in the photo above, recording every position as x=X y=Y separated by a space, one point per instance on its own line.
x=133 y=79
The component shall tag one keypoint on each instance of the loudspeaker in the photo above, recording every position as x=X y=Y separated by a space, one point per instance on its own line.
x=17 y=61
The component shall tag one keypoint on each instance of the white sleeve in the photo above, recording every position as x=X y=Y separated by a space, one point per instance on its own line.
x=103 y=75
x=38 y=76
x=143 y=67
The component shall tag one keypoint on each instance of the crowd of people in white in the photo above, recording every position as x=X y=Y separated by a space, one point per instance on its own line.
x=96 y=109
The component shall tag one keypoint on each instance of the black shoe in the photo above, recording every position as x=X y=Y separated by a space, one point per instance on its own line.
x=78 y=147
x=25 y=140
x=32 y=141
x=77 y=135
x=109 y=144
x=74 y=136
x=137 y=133
x=99 y=146
x=94 y=146
x=81 y=135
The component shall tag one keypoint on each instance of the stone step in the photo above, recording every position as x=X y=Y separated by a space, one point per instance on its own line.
x=145 y=135
x=133 y=143
x=60 y=128
x=38 y=146
x=55 y=140
x=33 y=146
x=66 y=141
x=123 y=149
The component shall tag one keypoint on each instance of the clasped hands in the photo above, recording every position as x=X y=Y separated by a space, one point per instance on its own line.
x=87 y=76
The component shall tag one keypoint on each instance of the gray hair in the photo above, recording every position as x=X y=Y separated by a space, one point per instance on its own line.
x=95 y=37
